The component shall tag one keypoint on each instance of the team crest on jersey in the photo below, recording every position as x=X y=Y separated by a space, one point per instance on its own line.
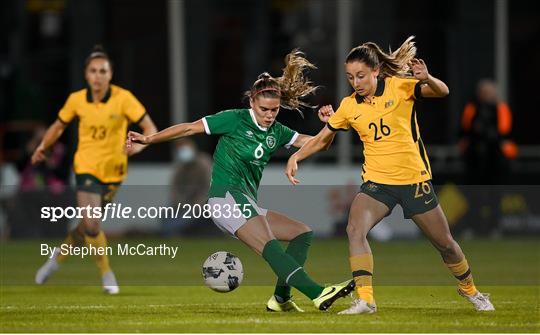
x=388 y=103
x=271 y=142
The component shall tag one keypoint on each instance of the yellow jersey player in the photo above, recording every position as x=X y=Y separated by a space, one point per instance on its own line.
x=100 y=163
x=396 y=170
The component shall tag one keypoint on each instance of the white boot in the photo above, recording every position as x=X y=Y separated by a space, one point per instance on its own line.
x=47 y=269
x=360 y=306
x=110 y=286
x=479 y=300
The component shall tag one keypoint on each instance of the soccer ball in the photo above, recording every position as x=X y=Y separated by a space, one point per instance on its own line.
x=222 y=271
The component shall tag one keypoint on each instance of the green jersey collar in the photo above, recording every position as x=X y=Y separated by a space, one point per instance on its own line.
x=252 y=114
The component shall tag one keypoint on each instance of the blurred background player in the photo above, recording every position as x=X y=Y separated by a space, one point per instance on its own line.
x=248 y=138
x=486 y=124
x=396 y=168
x=100 y=163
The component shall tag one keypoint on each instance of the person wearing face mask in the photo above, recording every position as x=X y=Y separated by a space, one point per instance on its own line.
x=248 y=138
x=189 y=185
x=387 y=87
x=185 y=151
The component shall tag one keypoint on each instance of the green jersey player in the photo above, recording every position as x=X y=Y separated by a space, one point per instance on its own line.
x=248 y=138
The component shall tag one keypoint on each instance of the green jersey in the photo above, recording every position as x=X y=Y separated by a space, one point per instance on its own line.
x=243 y=150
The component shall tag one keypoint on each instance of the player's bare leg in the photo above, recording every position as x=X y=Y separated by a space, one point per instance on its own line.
x=435 y=226
x=365 y=213
x=76 y=237
x=91 y=228
x=285 y=228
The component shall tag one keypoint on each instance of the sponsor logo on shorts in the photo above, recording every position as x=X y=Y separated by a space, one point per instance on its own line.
x=372 y=187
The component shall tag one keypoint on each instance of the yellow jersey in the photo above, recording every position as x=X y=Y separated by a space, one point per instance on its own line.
x=393 y=149
x=102 y=131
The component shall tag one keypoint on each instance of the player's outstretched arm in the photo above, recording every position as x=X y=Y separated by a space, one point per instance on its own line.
x=49 y=139
x=168 y=134
x=434 y=87
x=317 y=143
x=148 y=128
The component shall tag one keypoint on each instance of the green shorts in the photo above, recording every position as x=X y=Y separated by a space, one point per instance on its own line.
x=414 y=198
x=89 y=183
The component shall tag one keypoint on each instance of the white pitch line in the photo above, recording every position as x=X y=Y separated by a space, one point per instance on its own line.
x=340 y=320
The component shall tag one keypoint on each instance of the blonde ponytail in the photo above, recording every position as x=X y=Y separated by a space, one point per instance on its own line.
x=291 y=87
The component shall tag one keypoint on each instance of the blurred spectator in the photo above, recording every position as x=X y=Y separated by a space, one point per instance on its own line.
x=339 y=200
x=38 y=186
x=37 y=177
x=189 y=187
x=486 y=124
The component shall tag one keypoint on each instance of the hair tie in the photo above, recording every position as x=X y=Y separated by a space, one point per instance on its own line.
x=265 y=90
x=97 y=54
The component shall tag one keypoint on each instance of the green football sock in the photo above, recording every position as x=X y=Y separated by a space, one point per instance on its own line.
x=297 y=249
x=286 y=268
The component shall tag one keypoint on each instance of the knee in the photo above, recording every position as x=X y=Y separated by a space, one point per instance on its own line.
x=90 y=226
x=302 y=229
x=355 y=231
x=304 y=236
x=447 y=247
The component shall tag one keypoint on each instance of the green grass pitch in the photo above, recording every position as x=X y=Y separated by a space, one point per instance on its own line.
x=413 y=289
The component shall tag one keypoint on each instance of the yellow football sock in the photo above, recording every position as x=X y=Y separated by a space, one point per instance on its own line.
x=462 y=272
x=362 y=272
x=99 y=241
x=74 y=238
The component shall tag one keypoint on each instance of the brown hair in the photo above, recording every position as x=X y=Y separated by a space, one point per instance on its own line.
x=391 y=64
x=97 y=52
x=291 y=87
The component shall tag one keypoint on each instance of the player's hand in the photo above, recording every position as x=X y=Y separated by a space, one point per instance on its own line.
x=135 y=143
x=325 y=112
x=419 y=69
x=135 y=137
x=39 y=155
x=290 y=170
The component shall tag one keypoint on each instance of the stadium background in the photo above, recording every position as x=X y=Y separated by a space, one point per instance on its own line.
x=186 y=59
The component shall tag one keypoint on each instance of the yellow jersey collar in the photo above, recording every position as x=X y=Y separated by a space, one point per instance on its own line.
x=106 y=97
x=378 y=92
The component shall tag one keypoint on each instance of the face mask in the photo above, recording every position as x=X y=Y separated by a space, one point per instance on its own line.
x=185 y=155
